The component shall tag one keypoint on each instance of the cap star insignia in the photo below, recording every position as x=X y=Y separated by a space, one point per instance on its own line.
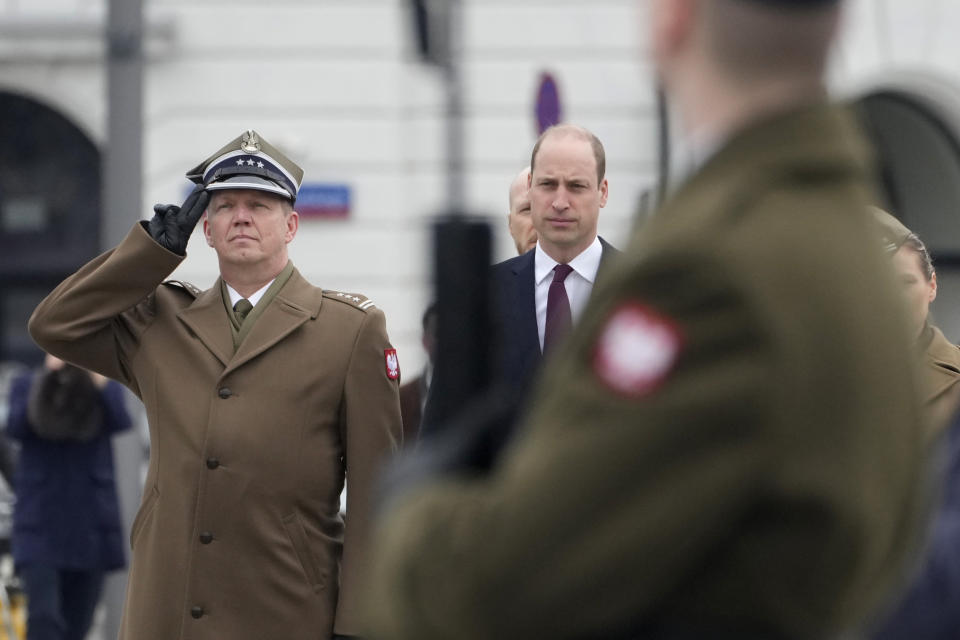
x=239 y=162
x=260 y=165
x=250 y=162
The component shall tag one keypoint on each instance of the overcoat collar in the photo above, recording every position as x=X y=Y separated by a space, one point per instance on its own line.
x=810 y=143
x=943 y=364
x=297 y=302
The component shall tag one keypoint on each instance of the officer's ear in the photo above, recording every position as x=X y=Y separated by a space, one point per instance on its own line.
x=206 y=230
x=933 y=287
x=293 y=223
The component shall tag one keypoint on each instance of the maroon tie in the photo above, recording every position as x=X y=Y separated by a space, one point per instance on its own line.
x=558 y=309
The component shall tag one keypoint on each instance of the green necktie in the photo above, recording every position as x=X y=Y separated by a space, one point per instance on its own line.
x=241 y=309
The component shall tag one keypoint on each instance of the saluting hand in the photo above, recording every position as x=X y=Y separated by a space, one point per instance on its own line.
x=171 y=225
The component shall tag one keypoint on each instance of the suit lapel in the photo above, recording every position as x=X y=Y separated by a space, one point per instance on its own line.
x=522 y=310
x=207 y=318
x=608 y=255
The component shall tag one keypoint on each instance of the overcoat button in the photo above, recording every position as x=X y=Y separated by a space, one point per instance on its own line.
x=224 y=392
x=196 y=612
x=206 y=537
x=212 y=463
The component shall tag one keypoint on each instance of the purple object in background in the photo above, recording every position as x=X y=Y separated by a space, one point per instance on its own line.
x=548 y=103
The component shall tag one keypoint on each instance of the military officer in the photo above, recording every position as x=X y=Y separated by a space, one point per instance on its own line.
x=264 y=394
x=729 y=444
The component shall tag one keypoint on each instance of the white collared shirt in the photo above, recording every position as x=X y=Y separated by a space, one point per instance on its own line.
x=578 y=284
x=254 y=297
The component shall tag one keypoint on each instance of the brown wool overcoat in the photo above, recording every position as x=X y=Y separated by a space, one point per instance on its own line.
x=239 y=533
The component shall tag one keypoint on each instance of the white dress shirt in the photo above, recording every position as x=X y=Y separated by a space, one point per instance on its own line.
x=578 y=284
x=254 y=297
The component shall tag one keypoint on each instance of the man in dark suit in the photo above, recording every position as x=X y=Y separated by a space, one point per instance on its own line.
x=567 y=189
x=539 y=294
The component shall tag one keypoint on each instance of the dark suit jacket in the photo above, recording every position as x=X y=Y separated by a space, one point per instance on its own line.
x=474 y=438
x=515 y=317
x=411 y=399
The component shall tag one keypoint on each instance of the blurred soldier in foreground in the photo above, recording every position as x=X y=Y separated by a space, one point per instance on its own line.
x=729 y=445
x=519 y=220
x=262 y=394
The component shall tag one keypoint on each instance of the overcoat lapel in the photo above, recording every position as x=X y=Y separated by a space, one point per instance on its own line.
x=521 y=338
x=208 y=320
x=294 y=304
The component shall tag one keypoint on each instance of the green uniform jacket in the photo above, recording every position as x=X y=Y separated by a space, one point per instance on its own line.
x=239 y=534
x=731 y=439
x=941 y=373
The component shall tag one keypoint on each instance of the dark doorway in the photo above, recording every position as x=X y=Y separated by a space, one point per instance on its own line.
x=49 y=212
x=919 y=156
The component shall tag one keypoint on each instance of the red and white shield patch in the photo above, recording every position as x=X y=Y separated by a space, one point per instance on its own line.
x=636 y=350
x=393 y=364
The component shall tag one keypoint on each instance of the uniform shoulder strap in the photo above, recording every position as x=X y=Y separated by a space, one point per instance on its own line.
x=183 y=286
x=356 y=300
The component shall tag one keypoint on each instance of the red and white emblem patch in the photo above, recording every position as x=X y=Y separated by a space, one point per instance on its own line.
x=393 y=364
x=636 y=350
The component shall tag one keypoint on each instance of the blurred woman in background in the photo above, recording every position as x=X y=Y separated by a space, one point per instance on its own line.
x=928 y=607
x=918 y=280
x=66 y=523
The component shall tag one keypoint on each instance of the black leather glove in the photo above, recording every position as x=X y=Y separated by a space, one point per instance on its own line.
x=171 y=225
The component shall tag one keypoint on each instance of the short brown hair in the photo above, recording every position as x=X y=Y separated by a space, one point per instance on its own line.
x=915 y=244
x=753 y=40
x=571 y=129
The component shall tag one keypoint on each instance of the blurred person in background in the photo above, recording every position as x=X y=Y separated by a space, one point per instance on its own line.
x=264 y=394
x=413 y=394
x=918 y=281
x=519 y=221
x=729 y=444
x=66 y=524
x=929 y=609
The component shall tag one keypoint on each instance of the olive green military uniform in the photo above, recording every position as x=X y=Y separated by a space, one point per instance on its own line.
x=940 y=372
x=941 y=379
x=239 y=535
x=730 y=440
